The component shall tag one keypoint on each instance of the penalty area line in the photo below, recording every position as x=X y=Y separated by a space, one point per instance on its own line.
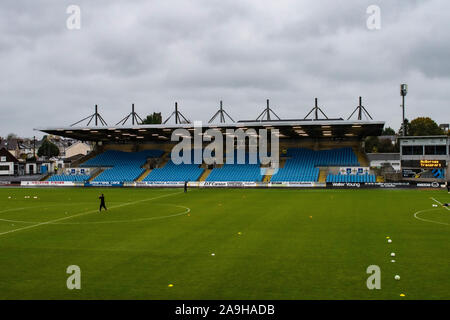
x=426 y=220
x=439 y=203
x=85 y=213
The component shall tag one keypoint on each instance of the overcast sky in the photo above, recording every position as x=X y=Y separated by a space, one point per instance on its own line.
x=153 y=53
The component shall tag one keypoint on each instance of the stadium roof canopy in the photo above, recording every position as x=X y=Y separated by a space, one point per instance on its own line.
x=289 y=129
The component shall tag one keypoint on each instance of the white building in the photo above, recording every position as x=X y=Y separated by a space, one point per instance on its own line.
x=379 y=160
x=7 y=163
x=425 y=157
x=77 y=148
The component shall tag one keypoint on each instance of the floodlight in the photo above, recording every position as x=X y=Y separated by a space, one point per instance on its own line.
x=403 y=89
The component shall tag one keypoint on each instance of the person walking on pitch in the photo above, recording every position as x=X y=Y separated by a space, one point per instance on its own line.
x=102 y=203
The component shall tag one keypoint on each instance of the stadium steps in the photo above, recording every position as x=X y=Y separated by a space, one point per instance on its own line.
x=323 y=175
x=268 y=175
x=90 y=155
x=143 y=175
x=205 y=175
x=95 y=174
x=45 y=178
x=362 y=158
x=164 y=159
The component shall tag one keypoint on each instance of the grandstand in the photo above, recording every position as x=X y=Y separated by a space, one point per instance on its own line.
x=311 y=150
x=301 y=165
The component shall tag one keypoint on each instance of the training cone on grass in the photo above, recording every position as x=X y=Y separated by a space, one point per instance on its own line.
x=170 y=285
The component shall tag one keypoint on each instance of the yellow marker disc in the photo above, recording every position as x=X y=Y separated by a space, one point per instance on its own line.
x=170 y=285
x=402 y=294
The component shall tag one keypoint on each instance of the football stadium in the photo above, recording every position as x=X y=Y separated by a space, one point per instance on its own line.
x=224 y=159
x=310 y=227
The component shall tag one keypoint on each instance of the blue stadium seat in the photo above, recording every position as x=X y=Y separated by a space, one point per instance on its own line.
x=125 y=166
x=302 y=166
x=351 y=178
x=175 y=172
x=238 y=172
x=113 y=158
x=303 y=163
x=69 y=177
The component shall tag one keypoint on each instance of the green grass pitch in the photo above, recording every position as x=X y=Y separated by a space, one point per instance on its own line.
x=268 y=244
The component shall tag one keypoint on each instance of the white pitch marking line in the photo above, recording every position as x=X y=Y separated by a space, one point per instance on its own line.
x=439 y=203
x=84 y=213
x=186 y=211
x=426 y=220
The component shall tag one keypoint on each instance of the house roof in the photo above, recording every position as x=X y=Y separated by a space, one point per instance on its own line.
x=8 y=155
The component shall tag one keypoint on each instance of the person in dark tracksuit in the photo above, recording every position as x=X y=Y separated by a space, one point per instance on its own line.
x=185 y=186
x=102 y=202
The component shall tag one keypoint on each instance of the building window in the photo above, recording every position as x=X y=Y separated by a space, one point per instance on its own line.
x=417 y=150
x=407 y=150
x=412 y=150
x=441 y=150
x=436 y=150
x=4 y=168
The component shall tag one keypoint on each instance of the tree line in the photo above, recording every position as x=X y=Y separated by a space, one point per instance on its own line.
x=421 y=126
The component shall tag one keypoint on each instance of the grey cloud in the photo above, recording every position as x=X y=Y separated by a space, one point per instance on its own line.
x=153 y=53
